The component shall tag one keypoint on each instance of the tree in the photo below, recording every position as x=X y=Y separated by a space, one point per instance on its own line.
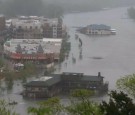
x=127 y=84
x=9 y=80
x=6 y=109
x=81 y=104
x=119 y=104
x=49 y=107
x=1 y=62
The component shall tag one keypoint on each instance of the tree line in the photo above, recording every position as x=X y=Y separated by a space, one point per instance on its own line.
x=30 y=7
x=56 y=8
x=119 y=103
x=90 y=5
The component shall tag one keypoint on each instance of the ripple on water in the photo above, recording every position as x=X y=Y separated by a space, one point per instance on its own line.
x=96 y=57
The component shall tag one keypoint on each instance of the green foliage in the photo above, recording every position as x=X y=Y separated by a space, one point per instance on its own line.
x=29 y=69
x=10 y=76
x=119 y=104
x=65 y=48
x=81 y=93
x=1 y=62
x=6 y=109
x=127 y=84
x=9 y=84
x=9 y=80
x=39 y=111
x=49 y=70
x=49 y=107
x=83 y=105
x=54 y=104
x=87 y=108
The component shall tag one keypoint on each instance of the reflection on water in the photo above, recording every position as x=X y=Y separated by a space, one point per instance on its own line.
x=96 y=57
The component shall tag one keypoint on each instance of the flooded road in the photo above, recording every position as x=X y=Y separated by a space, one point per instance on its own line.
x=112 y=55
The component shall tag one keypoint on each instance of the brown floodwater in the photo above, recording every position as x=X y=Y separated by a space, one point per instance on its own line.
x=112 y=55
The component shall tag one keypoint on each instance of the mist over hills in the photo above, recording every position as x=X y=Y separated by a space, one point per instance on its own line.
x=84 y=5
x=56 y=8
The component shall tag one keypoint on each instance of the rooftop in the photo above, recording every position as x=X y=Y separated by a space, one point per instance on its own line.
x=45 y=78
x=99 y=27
x=30 y=46
x=44 y=81
x=31 y=21
x=56 y=78
x=52 y=40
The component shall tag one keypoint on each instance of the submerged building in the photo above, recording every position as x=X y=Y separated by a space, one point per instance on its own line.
x=42 y=50
x=95 y=29
x=56 y=84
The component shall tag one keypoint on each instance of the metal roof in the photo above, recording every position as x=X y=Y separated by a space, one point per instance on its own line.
x=98 y=27
x=92 y=78
x=48 y=82
x=56 y=78
x=30 y=46
x=52 y=40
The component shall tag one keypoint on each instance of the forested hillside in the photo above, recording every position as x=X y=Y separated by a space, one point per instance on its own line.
x=56 y=8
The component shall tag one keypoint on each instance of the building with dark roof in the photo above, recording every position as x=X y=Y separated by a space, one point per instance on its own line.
x=63 y=83
x=97 y=29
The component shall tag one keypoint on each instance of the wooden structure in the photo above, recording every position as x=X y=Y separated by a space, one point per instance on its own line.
x=64 y=83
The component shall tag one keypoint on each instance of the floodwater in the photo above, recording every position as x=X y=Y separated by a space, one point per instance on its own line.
x=112 y=55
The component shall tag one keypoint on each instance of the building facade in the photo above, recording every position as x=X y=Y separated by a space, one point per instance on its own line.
x=44 y=50
x=95 y=29
x=57 y=84
x=20 y=50
x=36 y=28
x=26 y=29
x=54 y=29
